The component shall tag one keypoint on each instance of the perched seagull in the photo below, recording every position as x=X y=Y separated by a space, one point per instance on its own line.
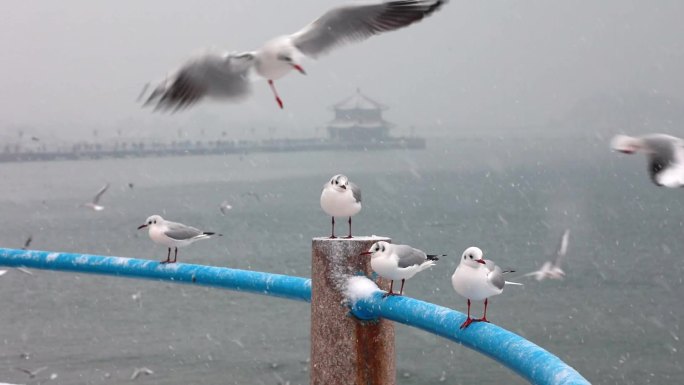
x=225 y=207
x=222 y=75
x=32 y=373
x=552 y=269
x=140 y=371
x=95 y=203
x=399 y=262
x=340 y=198
x=665 y=156
x=172 y=234
x=478 y=279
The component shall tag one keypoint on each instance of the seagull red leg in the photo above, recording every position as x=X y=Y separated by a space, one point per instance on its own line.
x=401 y=291
x=175 y=255
x=484 y=316
x=275 y=93
x=390 y=292
x=168 y=257
x=468 y=320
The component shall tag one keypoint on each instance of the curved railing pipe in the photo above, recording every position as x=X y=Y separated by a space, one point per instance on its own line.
x=530 y=361
x=284 y=286
x=523 y=357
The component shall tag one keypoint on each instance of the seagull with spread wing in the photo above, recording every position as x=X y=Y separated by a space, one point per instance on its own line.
x=222 y=75
x=95 y=204
x=552 y=269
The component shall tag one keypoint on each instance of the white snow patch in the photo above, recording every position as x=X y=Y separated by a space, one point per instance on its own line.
x=359 y=287
x=51 y=257
x=120 y=261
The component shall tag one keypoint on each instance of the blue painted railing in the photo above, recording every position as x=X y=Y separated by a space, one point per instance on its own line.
x=523 y=357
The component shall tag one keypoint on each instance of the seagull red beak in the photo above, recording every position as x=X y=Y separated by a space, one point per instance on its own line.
x=142 y=226
x=365 y=253
x=299 y=68
x=481 y=261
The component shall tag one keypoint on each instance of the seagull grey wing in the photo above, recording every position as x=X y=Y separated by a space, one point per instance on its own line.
x=353 y=23
x=356 y=191
x=496 y=278
x=181 y=232
x=100 y=193
x=223 y=76
x=408 y=256
x=562 y=247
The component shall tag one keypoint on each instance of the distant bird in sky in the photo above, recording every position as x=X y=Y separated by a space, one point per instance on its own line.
x=478 y=279
x=225 y=207
x=137 y=372
x=399 y=262
x=172 y=234
x=341 y=198
x=665 y=155
x=35 y=139
x=27 y=243
x=552 y=269
x=222 y=75
x=32 y=373
x=95 y=204
x=130 y=185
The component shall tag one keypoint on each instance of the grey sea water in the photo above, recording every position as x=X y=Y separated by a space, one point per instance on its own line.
x=616 y=318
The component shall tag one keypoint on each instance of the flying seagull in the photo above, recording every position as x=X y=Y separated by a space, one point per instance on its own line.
x=552 y=269
x=95 y=204
x=32 y=373
x=228 y=75
x=665 y=156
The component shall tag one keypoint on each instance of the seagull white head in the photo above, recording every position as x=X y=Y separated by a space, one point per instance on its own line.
x=339 y=182
x=153 y=220
x=473 y=257
x=378 y=249
x=626 y=144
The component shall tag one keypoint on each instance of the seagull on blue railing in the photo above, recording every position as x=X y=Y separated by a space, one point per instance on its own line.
x=478 y=279
x=341 y=198
x=399 y=262
x=228 y=75
x=172 y=234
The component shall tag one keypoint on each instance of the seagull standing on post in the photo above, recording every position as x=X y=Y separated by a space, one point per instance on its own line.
x=340 y=198
x=222 y=75
x=172 y=234
x=399 y=262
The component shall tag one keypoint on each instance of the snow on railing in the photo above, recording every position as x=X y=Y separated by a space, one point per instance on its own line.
x=523 y=357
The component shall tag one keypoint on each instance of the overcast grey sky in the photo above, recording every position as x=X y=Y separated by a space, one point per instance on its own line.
x=72 y=66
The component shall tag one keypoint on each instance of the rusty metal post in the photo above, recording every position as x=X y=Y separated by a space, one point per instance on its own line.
x=344 y=349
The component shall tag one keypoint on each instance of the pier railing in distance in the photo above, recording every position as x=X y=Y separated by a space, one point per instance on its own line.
x=530 y=361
